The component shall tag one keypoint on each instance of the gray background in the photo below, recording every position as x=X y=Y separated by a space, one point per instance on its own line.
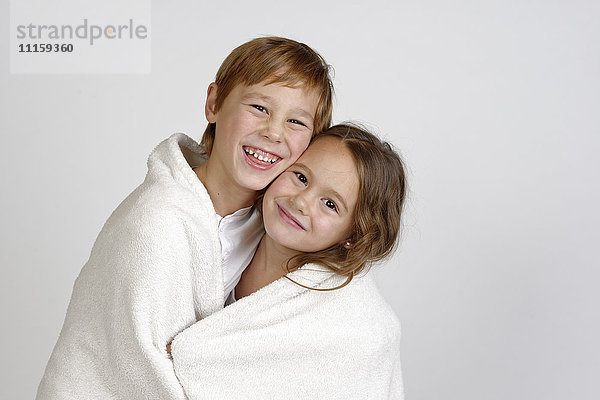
x=495 y=106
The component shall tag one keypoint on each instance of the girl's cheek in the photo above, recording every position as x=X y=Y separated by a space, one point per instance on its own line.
x=282 y=188
x=323 y=223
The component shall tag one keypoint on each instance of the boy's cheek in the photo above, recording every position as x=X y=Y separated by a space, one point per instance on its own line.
x=288 y=162
x=242 y=121
x=298 y=145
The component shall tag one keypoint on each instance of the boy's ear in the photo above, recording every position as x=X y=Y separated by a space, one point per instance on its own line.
x=211 y=102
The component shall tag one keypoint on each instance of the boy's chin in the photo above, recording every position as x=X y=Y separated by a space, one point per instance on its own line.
x=258 y=180
x=258 y=184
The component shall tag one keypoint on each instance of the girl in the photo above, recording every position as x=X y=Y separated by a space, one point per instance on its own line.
x=309 y=321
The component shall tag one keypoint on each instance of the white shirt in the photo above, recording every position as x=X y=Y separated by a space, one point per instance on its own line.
x=239 y=234
x=231 y=299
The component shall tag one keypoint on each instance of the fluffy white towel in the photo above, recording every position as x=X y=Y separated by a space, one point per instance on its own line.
x=288 y=342
x=154 y=274
x=153 y=271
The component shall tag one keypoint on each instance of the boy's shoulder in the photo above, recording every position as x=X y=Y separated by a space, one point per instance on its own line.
x=171 y=193
x=170 y=182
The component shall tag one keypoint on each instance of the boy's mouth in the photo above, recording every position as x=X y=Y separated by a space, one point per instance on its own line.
x=259 y=156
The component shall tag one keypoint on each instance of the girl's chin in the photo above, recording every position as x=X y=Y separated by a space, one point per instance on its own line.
x=277 y=232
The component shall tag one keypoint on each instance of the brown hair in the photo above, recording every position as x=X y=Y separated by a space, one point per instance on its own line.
x=274 y=60
x=382 y=192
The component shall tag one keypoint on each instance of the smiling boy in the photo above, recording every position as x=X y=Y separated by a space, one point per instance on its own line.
x=269 y=97
x=173 y=249
x=259 y=130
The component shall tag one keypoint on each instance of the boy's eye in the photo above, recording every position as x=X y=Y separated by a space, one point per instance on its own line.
x=295 y=121
x=301 y=178
x=259 y=108
x=330 y=204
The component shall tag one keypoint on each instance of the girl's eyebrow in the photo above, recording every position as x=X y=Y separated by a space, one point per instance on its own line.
x=338 y=196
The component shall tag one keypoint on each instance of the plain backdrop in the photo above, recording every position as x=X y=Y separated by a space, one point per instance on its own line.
x=495 y=106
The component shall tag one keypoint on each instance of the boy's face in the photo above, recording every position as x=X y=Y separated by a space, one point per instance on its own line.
x=260 y=131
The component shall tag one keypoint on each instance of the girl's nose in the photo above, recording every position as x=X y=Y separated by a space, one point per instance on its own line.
x=300 y=201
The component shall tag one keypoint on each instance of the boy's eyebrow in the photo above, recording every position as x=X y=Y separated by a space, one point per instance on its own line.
x=255 y=95
x=267 y=98
x=340 y=198
x=304 y=113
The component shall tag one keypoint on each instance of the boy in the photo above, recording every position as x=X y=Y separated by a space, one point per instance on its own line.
x=174 y=248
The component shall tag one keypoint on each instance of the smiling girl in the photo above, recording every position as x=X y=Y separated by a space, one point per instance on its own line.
x=309 y=321
x=339 y=205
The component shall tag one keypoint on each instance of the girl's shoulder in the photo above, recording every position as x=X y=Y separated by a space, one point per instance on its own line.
x=368 y=301
x=359 y=304
x=360 y=314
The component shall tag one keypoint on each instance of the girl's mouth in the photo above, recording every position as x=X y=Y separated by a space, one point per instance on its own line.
x=289 y=218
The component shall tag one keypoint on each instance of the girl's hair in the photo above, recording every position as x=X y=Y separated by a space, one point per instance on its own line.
x=382 y=192
x=270 y=60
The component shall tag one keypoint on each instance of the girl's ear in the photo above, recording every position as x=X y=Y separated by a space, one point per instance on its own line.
x=210 y=108
x=347 y=244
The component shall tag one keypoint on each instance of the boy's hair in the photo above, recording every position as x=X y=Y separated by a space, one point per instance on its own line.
x=274 y=60
x=382 y=192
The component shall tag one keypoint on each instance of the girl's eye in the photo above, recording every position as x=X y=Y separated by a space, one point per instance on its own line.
x=259 y=108
x=301 y=178
x=330 y=204
x=295 y=121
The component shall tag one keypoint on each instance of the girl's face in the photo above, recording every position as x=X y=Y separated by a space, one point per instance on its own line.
x=311 y=205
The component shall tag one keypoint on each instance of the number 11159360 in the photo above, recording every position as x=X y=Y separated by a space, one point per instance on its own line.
x=46 y=48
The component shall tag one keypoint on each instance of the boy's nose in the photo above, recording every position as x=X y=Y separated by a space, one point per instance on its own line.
x=273 y=133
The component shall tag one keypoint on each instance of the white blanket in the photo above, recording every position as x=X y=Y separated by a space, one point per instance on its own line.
x=153 y=271
x=287 y=342
x=154 y=276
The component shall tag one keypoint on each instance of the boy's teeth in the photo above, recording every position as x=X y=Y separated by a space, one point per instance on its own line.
x=261 y=157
